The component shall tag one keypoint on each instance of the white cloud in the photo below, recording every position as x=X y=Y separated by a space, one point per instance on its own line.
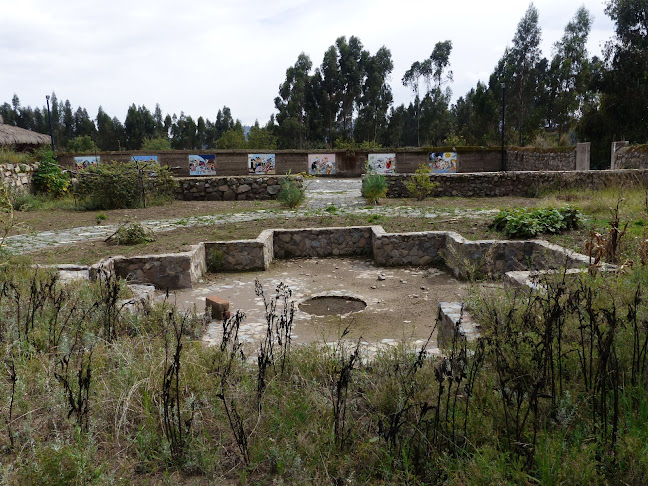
x=198 y=55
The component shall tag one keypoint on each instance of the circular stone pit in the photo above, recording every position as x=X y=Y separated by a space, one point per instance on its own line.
x=331 y=305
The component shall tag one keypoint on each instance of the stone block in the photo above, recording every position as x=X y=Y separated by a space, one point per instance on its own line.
x=216 y=307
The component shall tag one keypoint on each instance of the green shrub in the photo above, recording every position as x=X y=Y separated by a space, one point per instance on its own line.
x=215 y=260
x=420 y=186
x=525 y=222
x=49 y=178
x=292 y=192
x=132 y=234
x=81 y=144
x=118 y=186
x=12 y=157
x=374 y=186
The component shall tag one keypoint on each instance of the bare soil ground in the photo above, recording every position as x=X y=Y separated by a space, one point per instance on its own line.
x=401 y=302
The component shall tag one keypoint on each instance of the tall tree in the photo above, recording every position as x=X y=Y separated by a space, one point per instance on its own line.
x=625 y=89
x=352 y=60
x=518 y=70
x=291 y=103
x=568 y=73
x=412 y=79
x=376 y=96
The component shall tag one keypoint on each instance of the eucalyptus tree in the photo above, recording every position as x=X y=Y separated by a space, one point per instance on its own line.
x=376 y=96
x=518 y=70
x=291 y=103
x=412 y=79
x=625 y=89
x=568 y=73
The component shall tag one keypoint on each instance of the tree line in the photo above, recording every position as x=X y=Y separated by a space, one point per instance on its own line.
x=347 y=99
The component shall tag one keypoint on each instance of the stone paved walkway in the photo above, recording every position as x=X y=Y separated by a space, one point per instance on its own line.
x=344 y=194
x=341 y=193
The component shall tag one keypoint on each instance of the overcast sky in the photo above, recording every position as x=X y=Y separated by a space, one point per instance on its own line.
x=198 y=55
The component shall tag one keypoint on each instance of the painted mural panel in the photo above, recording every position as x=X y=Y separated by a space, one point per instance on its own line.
x=202 y=165
x=382 y=163
x=261 y=163
x=321 y=164
x=145 y=159
x=85 y=161
x=443 y=162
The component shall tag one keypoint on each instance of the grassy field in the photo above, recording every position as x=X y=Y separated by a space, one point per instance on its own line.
x=554 y=391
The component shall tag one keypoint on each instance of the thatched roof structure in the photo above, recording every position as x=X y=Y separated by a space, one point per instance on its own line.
x=10 y=135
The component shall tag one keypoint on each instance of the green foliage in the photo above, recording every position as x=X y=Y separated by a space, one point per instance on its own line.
x=420 y=186
x=132 y=234
x=374 y=186
x=292 y=192
x=49 y=178
x=157 y=143
x=115 y=186
x=215 y=260
x=525 y=222
x=81 y=144
x=232 y=139
x=8 y=156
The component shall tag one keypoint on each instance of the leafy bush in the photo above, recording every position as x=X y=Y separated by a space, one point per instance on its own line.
x=292 y=192
x=420 y=186
x=81 y=144
x=215 y=260
x=49 y=177
x=117 y=186
x=12 y=157
x=525 y=222
x=159 y=143
x=132 y=234
x=374 y=186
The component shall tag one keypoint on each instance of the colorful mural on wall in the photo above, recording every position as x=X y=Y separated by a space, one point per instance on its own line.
x=85 y=161
x=321 y=164
x=202 y=165
x=382 y=163
x=145 y=159
x=261 y=163
x=443 y=162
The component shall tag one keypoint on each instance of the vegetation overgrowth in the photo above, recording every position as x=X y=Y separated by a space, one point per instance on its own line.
x=129 y=185
x=528 y=222
x=552 y=392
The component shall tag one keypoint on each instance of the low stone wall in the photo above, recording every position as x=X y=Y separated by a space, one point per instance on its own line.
x=521 y=184
x=18 y=177
x=165 y=271
x=465 y=258
x=228 y=188
x=238 y=255
x=322 y=242
x=398 y=249
x=632 y=157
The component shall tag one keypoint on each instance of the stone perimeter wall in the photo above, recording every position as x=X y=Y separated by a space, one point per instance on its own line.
x=350 y=163
x=521 y=184
x=18 y=177
x=229 y=188
x=634 y=157
x=463 y=257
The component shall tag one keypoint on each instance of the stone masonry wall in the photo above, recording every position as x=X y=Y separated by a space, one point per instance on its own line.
x=398 y=249
x=18 y=177
x=521 y=184
x=522 y=160
x=322 y=242
x=228 y=188
x=633 y=157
